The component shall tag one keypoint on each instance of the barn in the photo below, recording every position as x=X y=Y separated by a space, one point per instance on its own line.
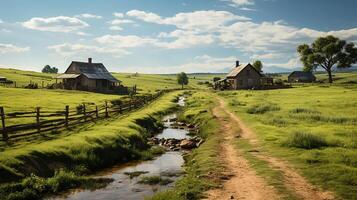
x=88 y=76
x=300 y=76
x=244 y=76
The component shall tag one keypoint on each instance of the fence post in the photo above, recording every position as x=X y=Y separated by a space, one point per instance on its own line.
x=2 y=114
x=15 y=84
x=96 y=112
x=106 y=109
x=43 y=84
x=84 y=112
x=66 y=114
x=38 y=119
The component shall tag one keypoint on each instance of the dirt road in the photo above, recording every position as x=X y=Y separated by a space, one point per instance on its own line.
x=244 y=182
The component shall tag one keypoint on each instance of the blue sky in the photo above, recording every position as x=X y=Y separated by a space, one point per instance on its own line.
x=161 y=36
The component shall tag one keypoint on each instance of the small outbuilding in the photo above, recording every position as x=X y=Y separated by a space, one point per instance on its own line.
x=244 y=76
x=88 y=76
x=2 y=79
x=301 y=77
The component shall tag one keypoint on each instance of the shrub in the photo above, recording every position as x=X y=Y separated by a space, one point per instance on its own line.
x=306 y=141
x=235 y=102
x=262 y=108
x=153 y=180
x=304 y=110
x=116 y=102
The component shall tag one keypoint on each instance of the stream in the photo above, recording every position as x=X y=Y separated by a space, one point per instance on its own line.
x=167 y=165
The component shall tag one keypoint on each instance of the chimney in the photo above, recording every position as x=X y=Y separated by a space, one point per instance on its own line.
x=89 y=60
x=237 y=63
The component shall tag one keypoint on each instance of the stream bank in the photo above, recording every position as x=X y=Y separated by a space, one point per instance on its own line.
x=137 y=180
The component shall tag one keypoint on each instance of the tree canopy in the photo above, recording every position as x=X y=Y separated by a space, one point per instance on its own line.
x=327 y=52
x=49 y=69
x=182 y=79
x=258 y=65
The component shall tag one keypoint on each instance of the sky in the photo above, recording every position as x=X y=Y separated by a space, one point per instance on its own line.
x=167 y=36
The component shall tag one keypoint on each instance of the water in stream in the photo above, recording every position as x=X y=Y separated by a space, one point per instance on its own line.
x=166 y=165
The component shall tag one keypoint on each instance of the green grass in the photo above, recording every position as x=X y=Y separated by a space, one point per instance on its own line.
x=314 y=128
x=135 y=174
x=23 y=78
x=35 y=187
x=203 y=167
x=306 y=141
x=95 y=145
x=155 y=180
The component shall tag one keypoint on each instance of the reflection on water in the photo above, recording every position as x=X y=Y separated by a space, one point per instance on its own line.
x=125 y=188
x=129 y=189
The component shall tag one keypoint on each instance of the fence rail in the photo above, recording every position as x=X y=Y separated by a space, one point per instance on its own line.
x=45 y=121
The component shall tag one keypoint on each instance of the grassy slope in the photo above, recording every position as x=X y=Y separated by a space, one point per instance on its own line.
x=202 y=166
x=13 y=99
x=95 y=145
x=328 y=112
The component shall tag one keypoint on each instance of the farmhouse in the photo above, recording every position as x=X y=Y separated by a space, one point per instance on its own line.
x=244 y=76
x=88 y=76
x=300 y=76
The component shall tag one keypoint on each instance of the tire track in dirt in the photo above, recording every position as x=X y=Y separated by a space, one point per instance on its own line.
x=244 y=183
x=292 y=179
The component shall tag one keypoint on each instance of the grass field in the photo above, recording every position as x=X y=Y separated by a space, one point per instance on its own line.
x=314 y=127
x=91 y=147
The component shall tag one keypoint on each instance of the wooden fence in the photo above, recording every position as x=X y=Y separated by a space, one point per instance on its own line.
x=45 y=121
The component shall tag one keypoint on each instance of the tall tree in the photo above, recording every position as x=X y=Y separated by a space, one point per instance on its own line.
x=258 y=65
x=327 y=52
x=182 y=79
x=49 y=69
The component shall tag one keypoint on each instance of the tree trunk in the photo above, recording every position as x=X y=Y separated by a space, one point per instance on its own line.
x=329 y=75
x=182 y=86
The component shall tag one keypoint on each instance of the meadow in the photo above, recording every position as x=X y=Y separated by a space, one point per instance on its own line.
x=89 y=147
x=312 y=126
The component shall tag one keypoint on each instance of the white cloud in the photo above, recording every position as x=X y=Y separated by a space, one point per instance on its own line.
x=238 y=3
x=88 y=16
x=291 y=63
x=1 y=21
x=10 y=48
x=115 y=28
x=116 y=24
x=184 y=39
x=247 y=9
x=128 y=41
x=121 y=21
x=119 y=15
x=202 y=63
x=197 y=20
x=55 y=24
x=272 y=36
x=268 y=56
x=67 y=49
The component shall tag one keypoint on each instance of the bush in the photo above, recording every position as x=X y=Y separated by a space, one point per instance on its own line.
x=154 y=180
x=116 y=102
x=235 y=102
x=304 y=110
x=306 y=141
x=262 y=108
x=32 y=86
